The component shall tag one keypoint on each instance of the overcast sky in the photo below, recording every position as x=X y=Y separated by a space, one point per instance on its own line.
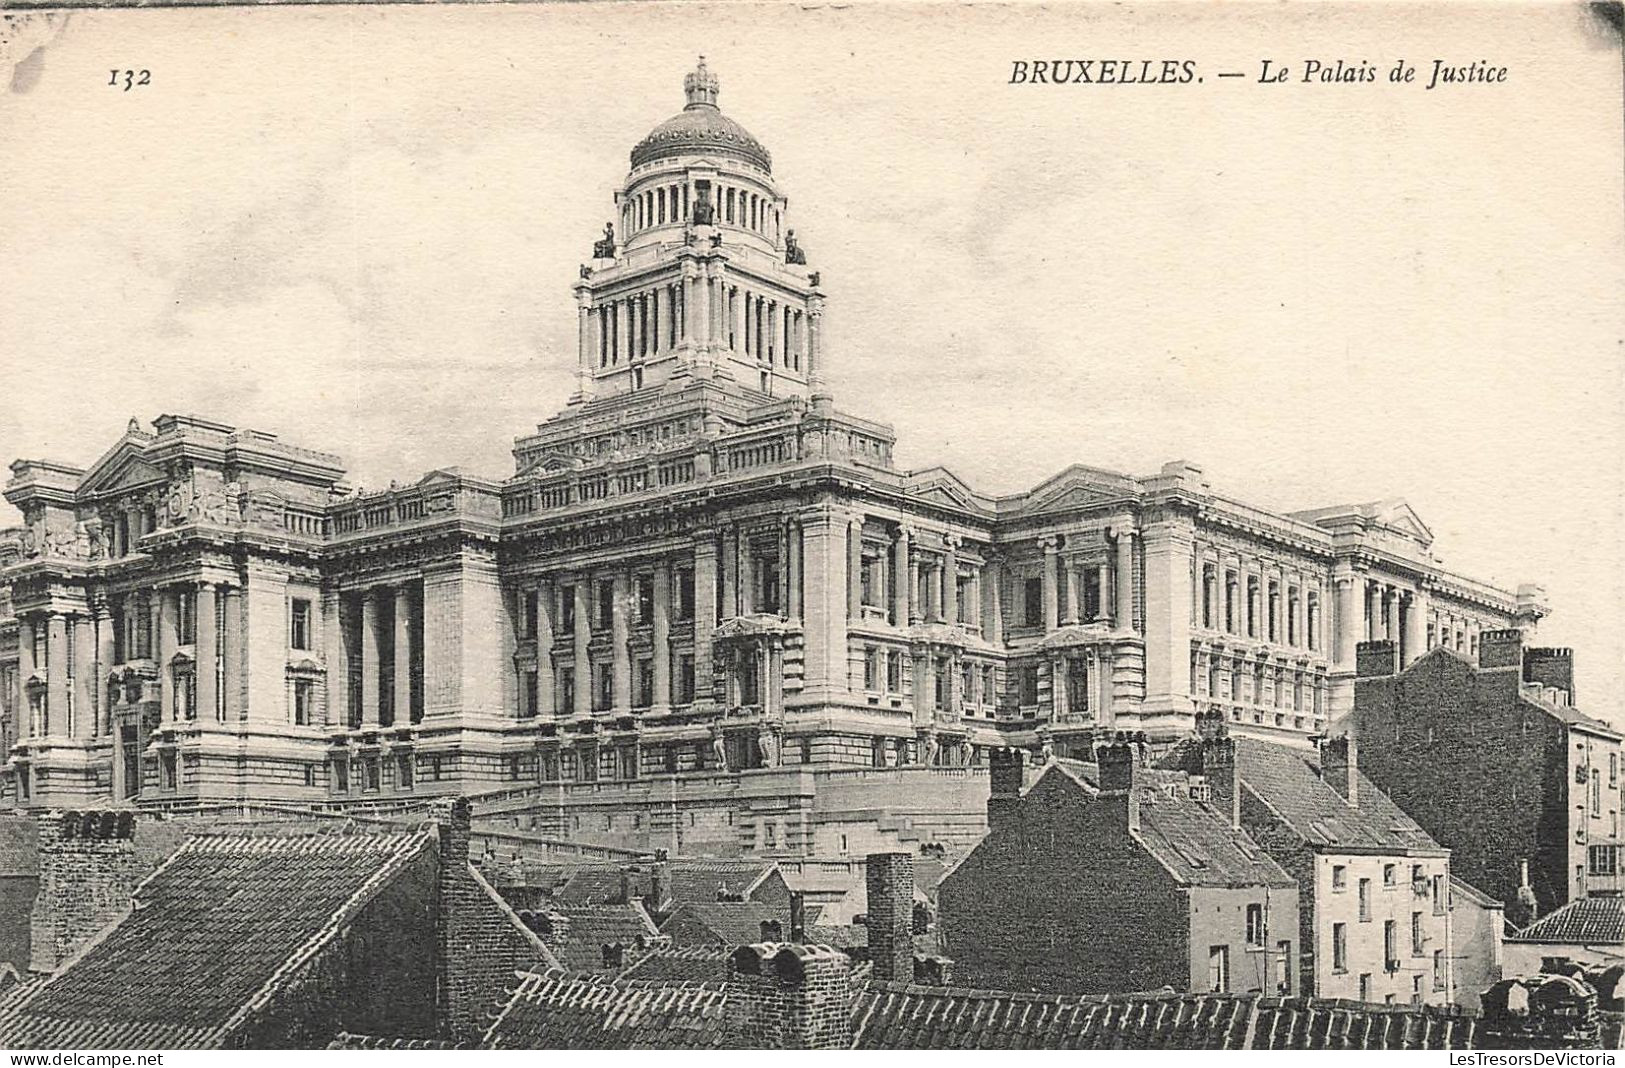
x=358 y=228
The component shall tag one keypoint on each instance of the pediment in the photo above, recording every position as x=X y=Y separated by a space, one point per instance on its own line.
x=551 y=464
x=1079 y=487
x=120 y=470
x=942 y=487
x=1402 y=518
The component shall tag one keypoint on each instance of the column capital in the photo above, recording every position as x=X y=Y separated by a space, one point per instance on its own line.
x=1051 y=545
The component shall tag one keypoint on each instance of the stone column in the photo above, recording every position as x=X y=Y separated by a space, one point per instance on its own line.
x=1103 y=594
x=915 y=612
x=1416 y=623
x=403 y=656
x=207 y=656
x=658 y=314
x=105 y=639
x=546 y=686
x=620 y=632
x=1057 y=686
x=973 y=599
x=815 y=341
x=584 y=347
x=84 y=679
x=783 y=568
x=824 y=533
x=1391 y=618
x=993 y=620
x=1348 y=619
x=661 y=638
x=233 y=688
x=950 y=580
x=1051 y=594
x=792 y=551
x=705 y=612
x=1123 y=614
x=1168 y=555
x=1070 y=567
x=1373 y=612
x=583 y=635
x=370 y=681
x=337 y=655
x=854 y=568
x=165 y=639
x=730 y=572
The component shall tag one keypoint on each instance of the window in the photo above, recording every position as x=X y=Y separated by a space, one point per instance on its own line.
x=685 y=595
x=604 y=690
x=169 y=771
x=1596 y=791
x=1390 y=944
x=1416 y=934
x=1032 y=602
x=304 y=702
x=1416 y=990
x=1283 y=967
x=310 y=774
x=1365 y=986
x=1438 y=969
x=1340 y=877
x=646 y=683
x=1390 y=875
x=646 y=599
x=373 y=774
x=1365 y=900
x=1340 y=947
x=567 y=690
x=403 y=771
x=894 y=672
x=299 y=624
x=530 y=614
x=186 y=616
x=530 y=696
x=567 y=609
x=1218 y=969
x=1255 y=925
x=606 y=603
x=1029 y=684
x=1613 y=769
x=1439 y=900
x=1604 y=859
x=341 y=775
x=685 y=679
x=871 y=668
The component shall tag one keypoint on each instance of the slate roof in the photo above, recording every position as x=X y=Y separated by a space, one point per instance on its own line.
x=345 y=1040
x=679 y=964
x=1585 y=921
x=686 y=881
x=555 y=1010
x=587 y=929
x=730 y=923
x=698 y=880
x=1193 y=840
x=1288 y=782
x=222 y=922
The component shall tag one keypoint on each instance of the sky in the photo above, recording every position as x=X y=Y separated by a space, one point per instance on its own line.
x=358 y=228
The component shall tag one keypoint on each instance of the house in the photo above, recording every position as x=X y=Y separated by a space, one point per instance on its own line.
x=1117 y=878
x=1493 y=756
x=593 y=938
x=1477 y=936
x=284 y=940
x=1374 y=922
x=726 y=923
x=1589 y=932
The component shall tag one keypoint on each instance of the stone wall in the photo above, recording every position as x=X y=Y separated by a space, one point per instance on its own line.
x=88 y=865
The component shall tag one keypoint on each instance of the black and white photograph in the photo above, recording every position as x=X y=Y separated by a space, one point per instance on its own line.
x=857 y=526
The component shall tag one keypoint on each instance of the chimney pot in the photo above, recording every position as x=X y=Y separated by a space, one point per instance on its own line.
x=1339 y=767
x=1375 y=659
x=1500 y=649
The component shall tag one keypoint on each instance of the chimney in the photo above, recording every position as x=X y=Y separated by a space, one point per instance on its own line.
x=1541 y=1012
x=87 y=870
x=1500 y=648
x=1339 y=767
x=798 y=917
x=614 y=956
x=1005 y=776
x=474 y=967
x=1550 y=667
x=772 y=931
x=1375 y=659
x=1117 y=763
x=1210 y=725
x=889 y=879
x=659 y=880
x=788 y=997
x=1219 y=772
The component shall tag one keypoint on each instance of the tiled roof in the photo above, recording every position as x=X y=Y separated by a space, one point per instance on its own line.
x=679 y=964
x=905 y=1016
x=213 y=928
x=345 y=1040
x=699 y=880
x=730 y=923
x=1588 y=920
x=578 y=942
x=554 y=1010
x=687 y=881
x=1288 y=781
x=596 y=884
x=840 y=936
x=1194 y=840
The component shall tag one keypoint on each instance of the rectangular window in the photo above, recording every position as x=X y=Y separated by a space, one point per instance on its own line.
x=1604 y=859
x=567 y=609
x=304 y=702
x=646 y=683
x=646 y=599
x=894 y=672
x=944 y=683
x=1440 y=901
x=185 y=616
x=1365 y=900
x=1596 y=791
x=1390 y=875
x=604 y=690
x=1390 y=944
x=871 y=668
x=530 y=706
x=685 y=679
x=1438 y=969
x=373 y=774
x=403 y=771
x=1218 y=969
x=341 y=775
x=1340 y=877
x=1032 y=602
x=685 y=594
x=1255 y=925
x=1029 y=685
x=299 y=624
x=869 y=577
x=1416 y=934
x=606 y=603
x=1365 y=986
x=530 y=615
x=1416 y=990
x=567 y=691
x=1340 y=947
x=1283 y=968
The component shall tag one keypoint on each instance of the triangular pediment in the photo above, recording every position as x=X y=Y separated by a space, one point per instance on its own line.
x=551 y=464
x=1401 y=517
x=123 y=468
x=940 y=486
x=1079 y=487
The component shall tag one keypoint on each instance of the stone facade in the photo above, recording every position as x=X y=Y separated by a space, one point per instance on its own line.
x=700 y=565
x=1493 y=757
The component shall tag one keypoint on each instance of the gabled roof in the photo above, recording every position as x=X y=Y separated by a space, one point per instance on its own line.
x=730 y=923
x=678 y=964
x=1585 y=921
x=555 y=1010
x=217 y=928
x=1193 y=840
x=577 y=934
x=1391 y=513
x=686 y=880
x=1288 y=782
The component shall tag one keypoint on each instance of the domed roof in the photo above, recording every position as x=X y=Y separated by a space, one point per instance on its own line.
x=701 y=128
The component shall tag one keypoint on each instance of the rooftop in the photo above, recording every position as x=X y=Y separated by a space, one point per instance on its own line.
x=1589 y=920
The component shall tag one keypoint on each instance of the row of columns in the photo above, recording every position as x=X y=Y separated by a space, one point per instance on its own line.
x=767 y=330
x=1112 y=575
x=1281 y=611
x=633 y=326
x=1239 y=680
x=673 y=203
x=377 y=630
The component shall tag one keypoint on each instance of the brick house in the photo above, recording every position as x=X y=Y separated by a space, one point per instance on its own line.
x=1493 y=757
x=1374 y=920
x=1117 y=877
x=284 y=940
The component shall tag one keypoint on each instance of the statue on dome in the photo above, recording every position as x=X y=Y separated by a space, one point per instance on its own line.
x=704 y=213
x=793 y=252
x=604 y=248
x=586 y=272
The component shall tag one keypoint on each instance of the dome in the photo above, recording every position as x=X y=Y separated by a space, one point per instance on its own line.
x=701 y=128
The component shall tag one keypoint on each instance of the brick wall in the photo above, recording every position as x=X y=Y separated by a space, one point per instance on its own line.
x=1061 y=899
x=88 y=865
x=788 y=997
x=1482 y=771
x=889 y=884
